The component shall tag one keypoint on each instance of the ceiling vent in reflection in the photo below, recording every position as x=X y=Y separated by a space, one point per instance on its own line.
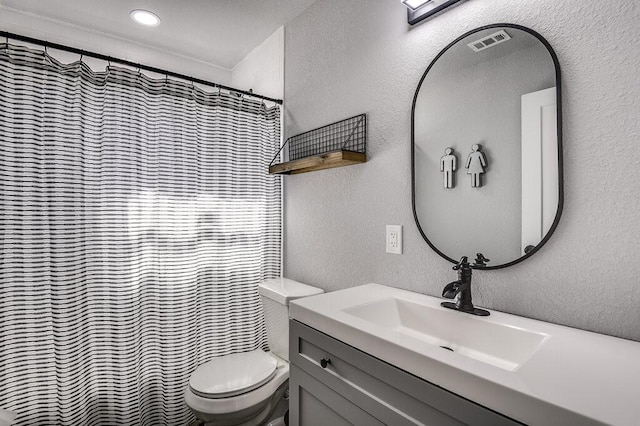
x=489 y=41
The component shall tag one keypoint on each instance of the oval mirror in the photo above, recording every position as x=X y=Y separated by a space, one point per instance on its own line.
x=486 y=146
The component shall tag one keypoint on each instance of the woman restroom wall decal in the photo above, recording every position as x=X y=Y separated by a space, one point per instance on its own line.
x=475 y=165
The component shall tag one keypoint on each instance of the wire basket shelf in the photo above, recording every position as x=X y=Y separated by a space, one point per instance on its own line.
x=337 y=144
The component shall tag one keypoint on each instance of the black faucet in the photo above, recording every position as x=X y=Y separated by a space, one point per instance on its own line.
x=462 y=288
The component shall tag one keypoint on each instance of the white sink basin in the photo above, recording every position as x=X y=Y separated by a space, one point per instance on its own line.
x=500 y=345
x=532 y=371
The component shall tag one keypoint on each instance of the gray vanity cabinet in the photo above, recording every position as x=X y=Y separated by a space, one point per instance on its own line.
x=334 y=384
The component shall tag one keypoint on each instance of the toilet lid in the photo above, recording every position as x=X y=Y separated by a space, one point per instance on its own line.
x=232 y=375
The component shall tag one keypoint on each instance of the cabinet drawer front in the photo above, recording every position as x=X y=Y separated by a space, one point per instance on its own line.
x=393 y=396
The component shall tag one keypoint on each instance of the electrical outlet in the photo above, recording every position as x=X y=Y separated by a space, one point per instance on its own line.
x=394 y=239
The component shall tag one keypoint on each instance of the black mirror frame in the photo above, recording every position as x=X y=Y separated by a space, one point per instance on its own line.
x=559 y=126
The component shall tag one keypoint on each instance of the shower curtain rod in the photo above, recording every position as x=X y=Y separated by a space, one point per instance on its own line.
x=44 y=43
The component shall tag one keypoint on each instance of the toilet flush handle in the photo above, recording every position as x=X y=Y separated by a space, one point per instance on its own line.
x=324 y=362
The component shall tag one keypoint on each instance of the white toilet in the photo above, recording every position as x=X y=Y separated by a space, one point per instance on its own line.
x=248 y=388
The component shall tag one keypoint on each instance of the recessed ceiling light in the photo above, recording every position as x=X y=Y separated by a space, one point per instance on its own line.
x=144 y=17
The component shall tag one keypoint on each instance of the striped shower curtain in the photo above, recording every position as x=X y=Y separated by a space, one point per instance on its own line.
x=136 y=221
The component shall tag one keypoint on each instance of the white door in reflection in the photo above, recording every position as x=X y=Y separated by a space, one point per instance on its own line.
x=539 y=165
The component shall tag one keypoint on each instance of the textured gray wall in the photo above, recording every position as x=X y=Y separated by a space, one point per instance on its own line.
x=344 y=57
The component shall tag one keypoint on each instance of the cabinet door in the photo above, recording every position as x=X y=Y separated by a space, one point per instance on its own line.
x=313 y=404
x=388 y=394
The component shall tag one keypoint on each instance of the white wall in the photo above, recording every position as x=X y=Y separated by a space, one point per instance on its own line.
x=263 y=68
x=344 y=57
x=81 y=38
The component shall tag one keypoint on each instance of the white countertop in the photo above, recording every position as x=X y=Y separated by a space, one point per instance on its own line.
x=575 y=377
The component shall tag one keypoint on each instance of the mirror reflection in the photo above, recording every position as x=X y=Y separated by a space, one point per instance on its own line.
x=486 y=157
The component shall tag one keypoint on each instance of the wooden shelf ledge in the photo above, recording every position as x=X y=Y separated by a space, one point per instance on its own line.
x=326 y=160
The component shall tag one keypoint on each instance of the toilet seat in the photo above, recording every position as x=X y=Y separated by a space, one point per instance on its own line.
x=243 y=401
x=233 y=375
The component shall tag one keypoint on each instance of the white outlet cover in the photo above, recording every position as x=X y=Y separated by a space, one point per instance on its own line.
x=394 y=239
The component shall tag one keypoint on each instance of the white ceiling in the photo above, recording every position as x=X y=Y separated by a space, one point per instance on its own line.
x=219 y=32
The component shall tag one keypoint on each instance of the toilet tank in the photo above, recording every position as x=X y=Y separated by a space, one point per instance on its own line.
x=276 y=294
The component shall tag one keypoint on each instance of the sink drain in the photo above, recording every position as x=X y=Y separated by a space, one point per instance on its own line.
x=447 y=348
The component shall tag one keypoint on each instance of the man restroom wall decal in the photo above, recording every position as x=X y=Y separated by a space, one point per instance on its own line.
x=448 y=166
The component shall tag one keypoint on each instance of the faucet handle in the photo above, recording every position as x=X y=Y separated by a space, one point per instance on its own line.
x=461 y=264
x=480 y=260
